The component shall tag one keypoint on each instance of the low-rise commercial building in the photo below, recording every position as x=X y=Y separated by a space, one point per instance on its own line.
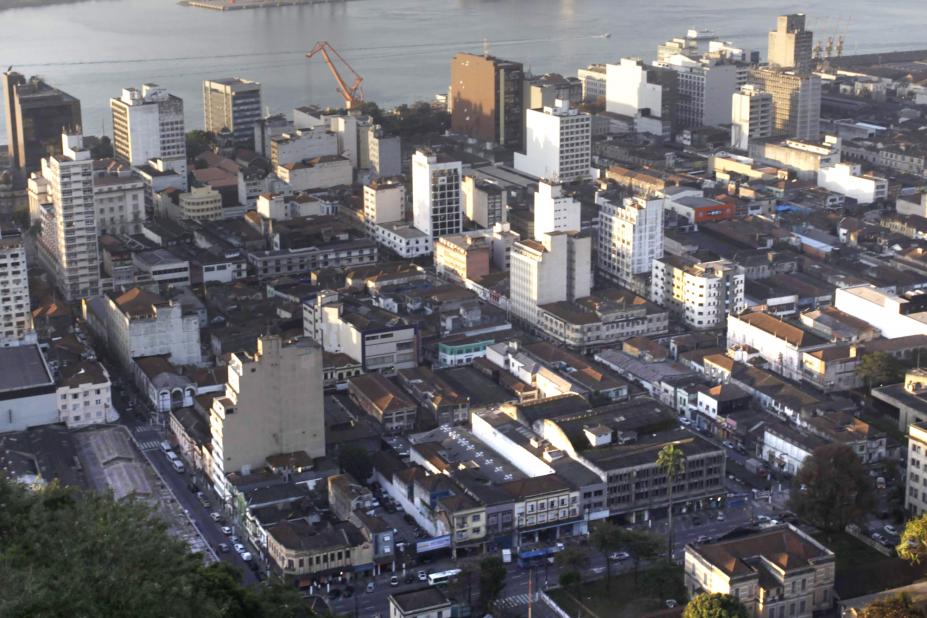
x=380 y=398
x=26 y=388
x=378 y=339
x=84 y=395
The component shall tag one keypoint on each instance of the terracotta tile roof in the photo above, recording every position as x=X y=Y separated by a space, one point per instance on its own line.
x=780 y=329
x=138 y=302
x=380 y=391
x=782 y=546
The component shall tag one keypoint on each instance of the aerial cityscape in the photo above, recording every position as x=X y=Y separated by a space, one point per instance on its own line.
x=484 y=309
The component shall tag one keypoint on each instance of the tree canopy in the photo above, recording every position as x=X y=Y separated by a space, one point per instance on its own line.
x=879 y=368
x=198 y=142
x=67 y=553
x=894 y=606
x=831 y=488
x=717 y=605
x=607 y=538
x=355 y=461
x=913 y=545
x=492 y=580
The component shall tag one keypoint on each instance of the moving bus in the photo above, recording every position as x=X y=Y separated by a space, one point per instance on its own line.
x=438 y=579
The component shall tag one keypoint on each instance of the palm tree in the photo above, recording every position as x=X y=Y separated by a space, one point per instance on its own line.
x=671 y=461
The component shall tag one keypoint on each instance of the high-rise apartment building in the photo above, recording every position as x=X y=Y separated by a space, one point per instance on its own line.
x=233 y=104
x=485 y=202
x=64 y=201
x=15 y=306
x=704 y=89
x=751 y=116
x=554 y=269
x=701 y=293
x=148 y=124
x=554 y=211
x=643 y=92
x=487 y=96
x=436 y=203
x=796 y=101
x=384 y=202
x=630 y=237
x=558 y=143
x=790 y=45
x=36 y=115
x=271 y=412
x=384 y=152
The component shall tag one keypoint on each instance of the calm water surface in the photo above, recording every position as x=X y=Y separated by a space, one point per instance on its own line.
x=401 y=47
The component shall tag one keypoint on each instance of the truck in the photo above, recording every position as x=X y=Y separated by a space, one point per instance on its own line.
x=756 y=466
x=507 y=556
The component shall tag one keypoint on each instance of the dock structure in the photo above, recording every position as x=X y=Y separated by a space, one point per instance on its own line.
x=237 y=5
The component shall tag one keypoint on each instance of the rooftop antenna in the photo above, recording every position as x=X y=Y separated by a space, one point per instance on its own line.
x=486 y=46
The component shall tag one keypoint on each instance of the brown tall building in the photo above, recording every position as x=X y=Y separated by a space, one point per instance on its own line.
x=36 y=114
x=487 y=99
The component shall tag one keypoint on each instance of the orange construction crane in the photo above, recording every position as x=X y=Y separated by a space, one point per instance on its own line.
x=352 y=94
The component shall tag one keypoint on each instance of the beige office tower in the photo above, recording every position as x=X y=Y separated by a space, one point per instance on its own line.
x=232 y=104
x=751 y=116
x=272 y=411
x=796 y=101
x=790 y=45
x=554 y=269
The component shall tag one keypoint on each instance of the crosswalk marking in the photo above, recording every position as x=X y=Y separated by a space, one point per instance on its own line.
x=515 y=601
x=149 y=445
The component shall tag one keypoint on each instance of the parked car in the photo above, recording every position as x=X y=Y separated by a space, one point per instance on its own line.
x=878 y=538
x=720 y=516
x=890 y=529
x=620 y=556
x=422 y=576
x=684 y=421
x=224 y=548
x=370 y=586
x=226 y=531
x=215 y=516
x=239 y=548
x=728 y=444
x=393 y=581
x=702 y=539
x=246 y=556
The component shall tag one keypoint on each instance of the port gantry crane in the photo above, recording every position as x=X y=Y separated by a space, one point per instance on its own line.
x=353 y=94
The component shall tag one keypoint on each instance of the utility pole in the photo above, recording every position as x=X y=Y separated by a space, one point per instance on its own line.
x=530 y=592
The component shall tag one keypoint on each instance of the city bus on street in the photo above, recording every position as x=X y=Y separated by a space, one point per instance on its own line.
x=438 y=579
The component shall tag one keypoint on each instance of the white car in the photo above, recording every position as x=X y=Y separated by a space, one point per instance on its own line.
x=422 y=576
x=226 y=530
x=240 y=548
x=890 y=529
x=246 y=556
x=684 y=421
x=620 y=556
x=215 y=516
